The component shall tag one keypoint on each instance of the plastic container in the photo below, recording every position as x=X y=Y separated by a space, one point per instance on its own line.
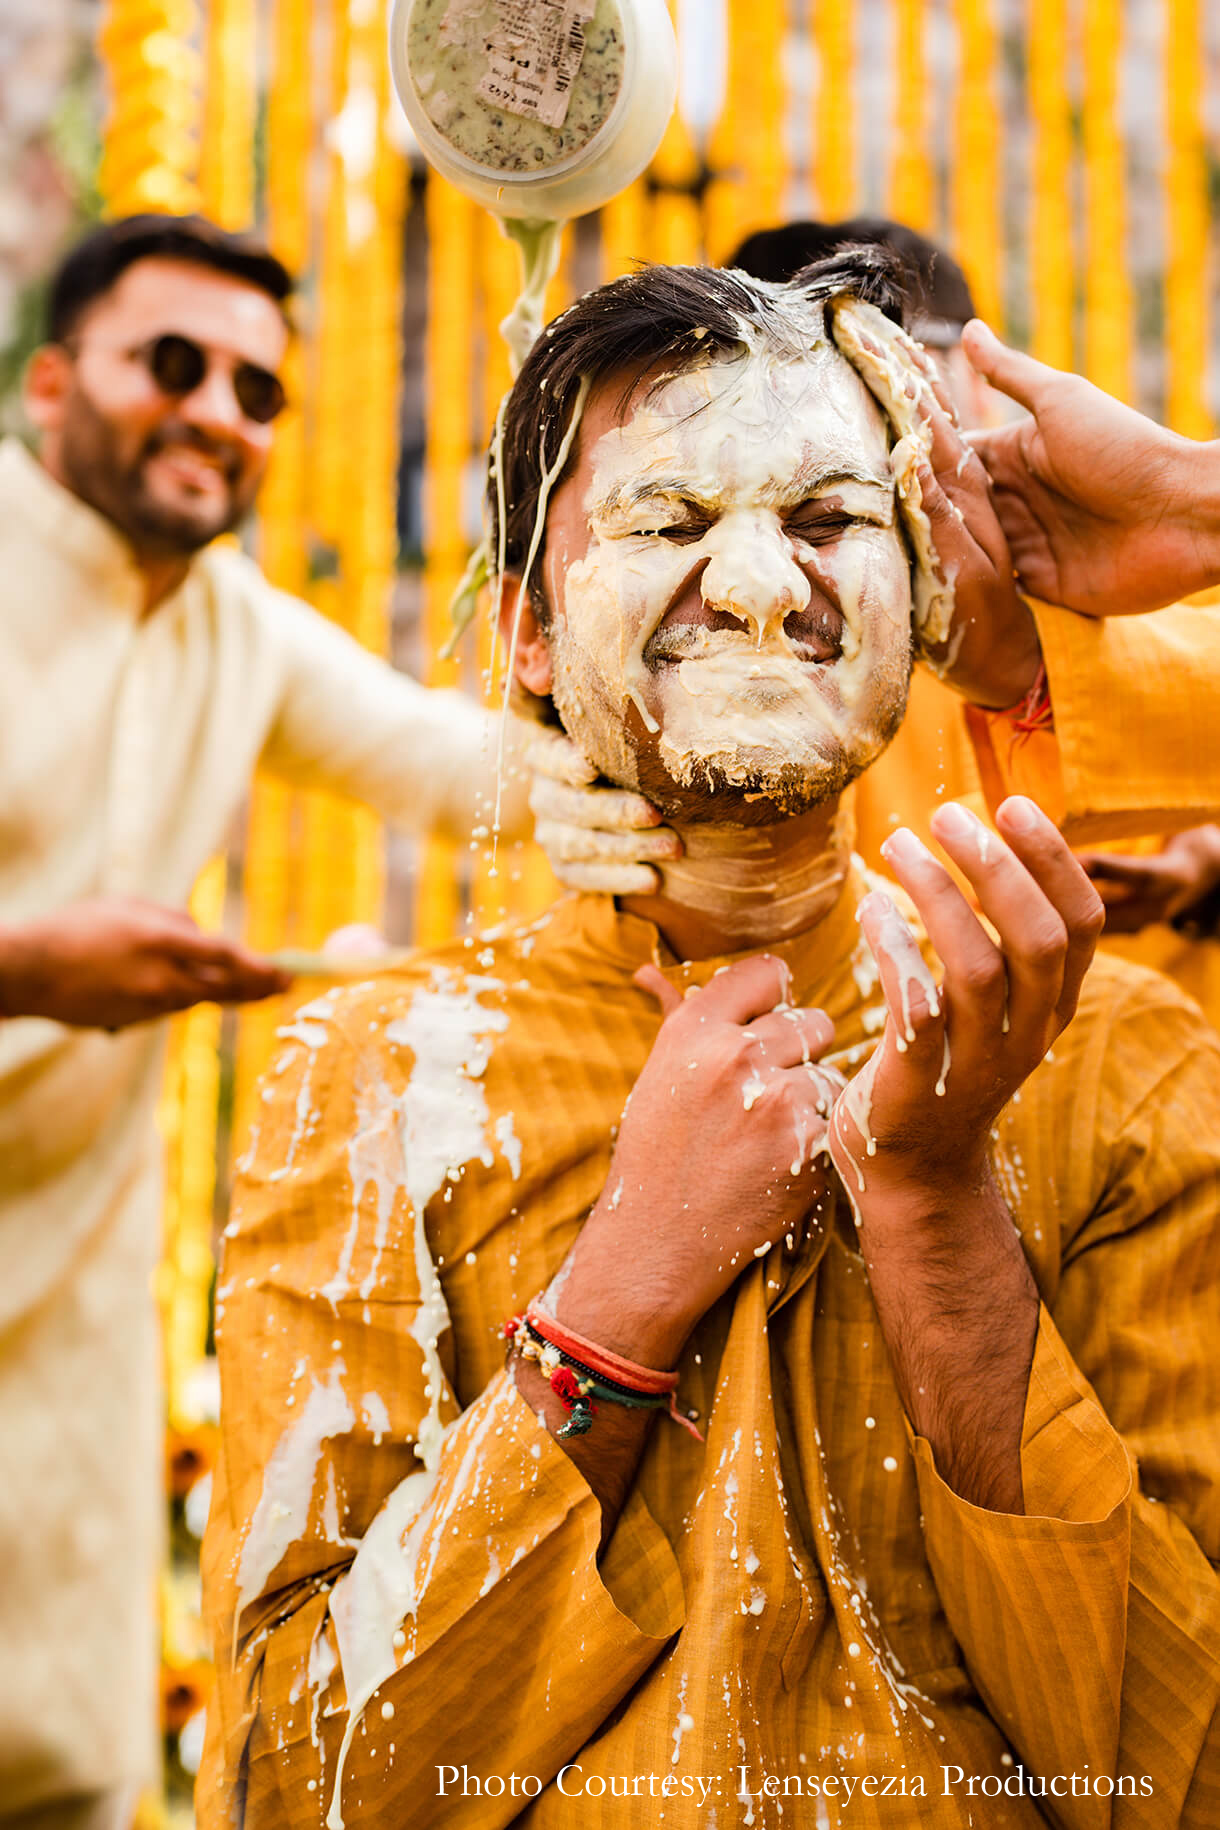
x=456 y=63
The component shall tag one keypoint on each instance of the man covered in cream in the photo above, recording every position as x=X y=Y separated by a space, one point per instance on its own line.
x=909 y=1228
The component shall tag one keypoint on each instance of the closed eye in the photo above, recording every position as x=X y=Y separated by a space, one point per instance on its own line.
x=819 y=529
x=680 y=533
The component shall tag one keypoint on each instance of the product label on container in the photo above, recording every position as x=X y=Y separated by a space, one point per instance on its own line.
x=533 y=53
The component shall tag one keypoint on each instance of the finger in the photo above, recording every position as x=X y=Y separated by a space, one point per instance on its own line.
x=792 y=1037
x=237 y=982
x=193 y=947
x=748 y=989
x=932 y=373
x=1032 y=936
x=911 y=994
x=1118 y=867
x=975 y=982
x=607 y=809
x=1135 y=913
x=552 y=753
x=651 y=979
x=1049 y=860
x=608 y=879
x=1021 y=377
x=950 y=454
x=585 y=845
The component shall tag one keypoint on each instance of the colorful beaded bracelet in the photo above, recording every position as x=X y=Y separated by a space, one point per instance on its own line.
x=578 y=1384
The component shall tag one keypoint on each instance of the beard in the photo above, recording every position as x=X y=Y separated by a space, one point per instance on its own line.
x=746 y=784
x=113 y=481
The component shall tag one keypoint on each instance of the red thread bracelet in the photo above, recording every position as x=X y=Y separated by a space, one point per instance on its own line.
x=643 y=1379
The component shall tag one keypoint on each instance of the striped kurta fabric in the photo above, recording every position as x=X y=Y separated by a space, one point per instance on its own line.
x=796 y=1622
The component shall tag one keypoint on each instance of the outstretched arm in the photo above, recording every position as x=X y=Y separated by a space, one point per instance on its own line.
x=112 y=961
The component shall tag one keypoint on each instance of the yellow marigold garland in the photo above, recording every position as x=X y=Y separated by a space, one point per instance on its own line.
x=834 y=144
x=1186 y=224
x=451 y=294
x=1107 y=281
x=746 y=151
x=151 y=141
x=1051 y=265
x=910 y=181
x=975 y=160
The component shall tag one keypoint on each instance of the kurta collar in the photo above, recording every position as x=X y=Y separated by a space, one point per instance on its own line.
x=66 y=523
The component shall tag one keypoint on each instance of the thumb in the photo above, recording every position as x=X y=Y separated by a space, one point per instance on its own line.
x=652 y=980
x=1019 y=376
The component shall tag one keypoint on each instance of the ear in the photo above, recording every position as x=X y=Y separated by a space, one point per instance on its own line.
x=48 y=382
x=532 y=654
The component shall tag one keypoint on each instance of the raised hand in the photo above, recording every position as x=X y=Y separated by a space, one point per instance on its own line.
x=917 y=1119
x=970 y=622
x=1105 y=511
x=957 y=1304
x=990 y=654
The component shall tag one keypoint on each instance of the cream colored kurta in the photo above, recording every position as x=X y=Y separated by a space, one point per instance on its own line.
x=127 y=744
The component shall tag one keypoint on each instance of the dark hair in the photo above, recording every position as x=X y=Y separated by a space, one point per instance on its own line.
x=939 y=288
x=93 y=266
x=660 y=315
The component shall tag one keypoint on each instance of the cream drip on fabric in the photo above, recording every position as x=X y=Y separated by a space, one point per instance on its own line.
x=444 y=1124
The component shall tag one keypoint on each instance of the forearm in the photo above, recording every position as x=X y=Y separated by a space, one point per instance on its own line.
x=959 y=1312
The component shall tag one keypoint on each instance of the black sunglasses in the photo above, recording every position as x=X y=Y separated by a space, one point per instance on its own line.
x=178 y=365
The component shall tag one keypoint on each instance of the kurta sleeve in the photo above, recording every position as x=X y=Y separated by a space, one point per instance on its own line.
x=1091 y=1625
x=425 y=758
x=382 y=1567
x=1136 y=741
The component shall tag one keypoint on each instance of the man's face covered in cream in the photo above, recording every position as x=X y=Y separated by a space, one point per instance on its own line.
x=730 y=587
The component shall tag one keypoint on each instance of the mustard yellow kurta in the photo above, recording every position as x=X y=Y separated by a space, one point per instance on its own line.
x=800 y=1600
x=1132 y=752
x=128 y=743
x=1136 y=742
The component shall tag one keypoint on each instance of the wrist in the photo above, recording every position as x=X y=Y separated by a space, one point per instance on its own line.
x=611 y=1294
x=1195 y=503
x=910 y=1195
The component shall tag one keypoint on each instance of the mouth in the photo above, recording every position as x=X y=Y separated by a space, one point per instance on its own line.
x=811 y=638
x=192 y=467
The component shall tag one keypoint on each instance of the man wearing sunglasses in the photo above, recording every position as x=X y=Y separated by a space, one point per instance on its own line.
x=145 y=672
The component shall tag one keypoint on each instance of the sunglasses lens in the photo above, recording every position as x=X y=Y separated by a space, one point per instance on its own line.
x=177 y=364
x=260 y=394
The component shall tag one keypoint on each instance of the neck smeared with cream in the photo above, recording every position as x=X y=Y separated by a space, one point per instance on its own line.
x=738 y=887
